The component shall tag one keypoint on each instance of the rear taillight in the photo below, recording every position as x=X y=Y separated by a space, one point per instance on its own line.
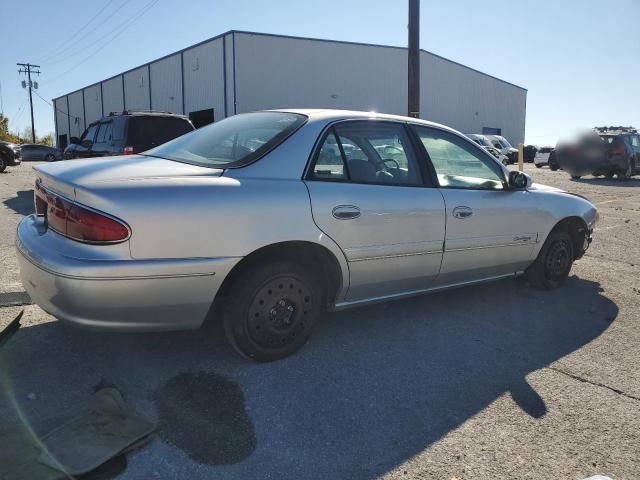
x=617 y=151
x=128 y=151
x=78 y=222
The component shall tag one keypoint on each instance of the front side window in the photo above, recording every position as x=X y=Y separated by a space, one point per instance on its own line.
x=368 y=152
x=232 y=142
x=458 y=164
x=88 y=135
x=635 y=140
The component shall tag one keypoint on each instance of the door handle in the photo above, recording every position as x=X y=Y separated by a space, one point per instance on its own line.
x=462 y=212
x=345 y=212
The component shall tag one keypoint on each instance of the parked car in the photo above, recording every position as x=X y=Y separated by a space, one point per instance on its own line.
x=542 y=157
x=127 y=133
x=605 y=151
x=529 y=153
x=486 y=144
x=35 y=152
x=272 y=217
x=553 y=160
x=9 y=155
x=501 y=143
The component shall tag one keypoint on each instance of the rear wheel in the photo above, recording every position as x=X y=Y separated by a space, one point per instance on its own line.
x=608 y=175
x=50 y=158
x=625 y=175
x=3 y=163
x=554 y=261
x=576 y=177
x=553 y=169
x=538 y=165
x=271 y=310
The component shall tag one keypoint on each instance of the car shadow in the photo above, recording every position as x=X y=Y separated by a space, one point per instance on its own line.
x=373 y=387
x=608 y=182
x=22 y=203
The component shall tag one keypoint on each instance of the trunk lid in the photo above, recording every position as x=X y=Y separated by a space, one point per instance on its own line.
x=69 y=177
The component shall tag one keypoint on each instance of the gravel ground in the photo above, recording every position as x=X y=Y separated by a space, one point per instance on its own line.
x=503 y=382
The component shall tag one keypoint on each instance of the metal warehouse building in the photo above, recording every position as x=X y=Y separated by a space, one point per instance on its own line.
x=244 y=71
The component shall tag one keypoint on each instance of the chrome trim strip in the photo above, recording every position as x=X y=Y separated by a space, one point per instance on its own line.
x=396 y=296
x=517 y=244
x=381 y=257
x=133 y=277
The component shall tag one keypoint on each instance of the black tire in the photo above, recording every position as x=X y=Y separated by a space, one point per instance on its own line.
x=553 y=169
x=271 y=310
x=50 y=158
x=3 y=163
x=538 y=165
x=625 y=175
x=575 y=177
x=608 y=175
x=553 y=264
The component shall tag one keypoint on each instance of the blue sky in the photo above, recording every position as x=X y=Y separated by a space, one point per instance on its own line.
x=579 y=59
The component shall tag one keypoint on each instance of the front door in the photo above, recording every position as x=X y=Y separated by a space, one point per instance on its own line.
x=490 y=229
x=368 y=194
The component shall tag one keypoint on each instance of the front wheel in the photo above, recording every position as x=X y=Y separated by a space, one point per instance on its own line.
x=272 y=310
x=554 y=169
x=538 y=165
x=576 y=177
x=3 y=163
x=553 y=264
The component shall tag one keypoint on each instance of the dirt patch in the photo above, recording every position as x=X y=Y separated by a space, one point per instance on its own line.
x=204 y=415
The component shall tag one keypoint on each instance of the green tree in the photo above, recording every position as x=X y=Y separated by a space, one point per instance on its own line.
x=5 y=134
x=46 y=140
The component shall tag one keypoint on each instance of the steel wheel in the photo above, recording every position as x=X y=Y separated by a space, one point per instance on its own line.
x=558 y=260
x=271 y=310
x=277 y=314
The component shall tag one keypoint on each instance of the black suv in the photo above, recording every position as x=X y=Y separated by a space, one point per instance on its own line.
x=127 y=133
x=608 y=151
x=9 y=155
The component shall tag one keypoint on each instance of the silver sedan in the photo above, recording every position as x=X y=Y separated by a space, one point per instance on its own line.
x=273 y=217
x=36 y=152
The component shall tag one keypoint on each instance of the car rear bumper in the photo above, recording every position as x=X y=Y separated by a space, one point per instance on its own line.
x=117 y=294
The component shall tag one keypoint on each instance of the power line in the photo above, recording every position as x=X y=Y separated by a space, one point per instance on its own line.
x=83 y=48
x=123 y=27
x=53 y=105
x=56 y=50
x=28 y=69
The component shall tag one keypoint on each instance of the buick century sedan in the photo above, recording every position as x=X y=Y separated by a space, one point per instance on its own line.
x=271 y=218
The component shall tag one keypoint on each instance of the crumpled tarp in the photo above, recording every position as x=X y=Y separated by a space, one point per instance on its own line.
x=82 y=440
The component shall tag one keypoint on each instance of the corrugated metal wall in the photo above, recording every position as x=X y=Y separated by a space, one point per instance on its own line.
x=204 y=78
x=112 y=95
x=62 y=120
x=136 y=89
x=468 y=100
x=76 y=110
x=166 y=84
x=92 y=103
x=241 y=71
x=278 y=72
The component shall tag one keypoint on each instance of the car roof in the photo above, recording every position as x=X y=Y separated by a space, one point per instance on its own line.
x=329 y=115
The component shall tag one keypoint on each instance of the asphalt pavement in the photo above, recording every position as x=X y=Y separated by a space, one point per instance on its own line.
x=497 y=381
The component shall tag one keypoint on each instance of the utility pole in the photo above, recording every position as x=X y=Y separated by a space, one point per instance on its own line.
x=413 y=71
x=29 y=69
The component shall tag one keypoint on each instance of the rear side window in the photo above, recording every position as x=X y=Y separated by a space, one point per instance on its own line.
x=149 y=132
x=118 y=128
x=368 y=152
x=104 y=133
x=635 y=140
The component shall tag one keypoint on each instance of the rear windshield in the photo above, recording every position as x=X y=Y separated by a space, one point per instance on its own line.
x=608 y=139
x=148 y=132
x=232 y=142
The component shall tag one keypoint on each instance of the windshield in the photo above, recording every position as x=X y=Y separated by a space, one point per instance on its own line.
x=482 y=141
x=232 y=142
x=504 y=142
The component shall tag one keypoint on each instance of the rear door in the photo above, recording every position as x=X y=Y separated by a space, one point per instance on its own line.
x=490 y=230
x=635 y=146
x=369 y=194
x=103 y=145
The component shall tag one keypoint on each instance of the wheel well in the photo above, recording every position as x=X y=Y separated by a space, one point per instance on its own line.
x=316 y=258
x=577 y=229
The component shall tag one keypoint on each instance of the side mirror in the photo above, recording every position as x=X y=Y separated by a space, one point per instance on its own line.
x=519 y=180
x=75 y=140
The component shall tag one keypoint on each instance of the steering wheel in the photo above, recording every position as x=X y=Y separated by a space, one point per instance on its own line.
x=394 y=164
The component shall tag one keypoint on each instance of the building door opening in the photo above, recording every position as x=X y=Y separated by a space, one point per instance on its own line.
x=491 y=131
x=62 y=142
x=200 y=118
